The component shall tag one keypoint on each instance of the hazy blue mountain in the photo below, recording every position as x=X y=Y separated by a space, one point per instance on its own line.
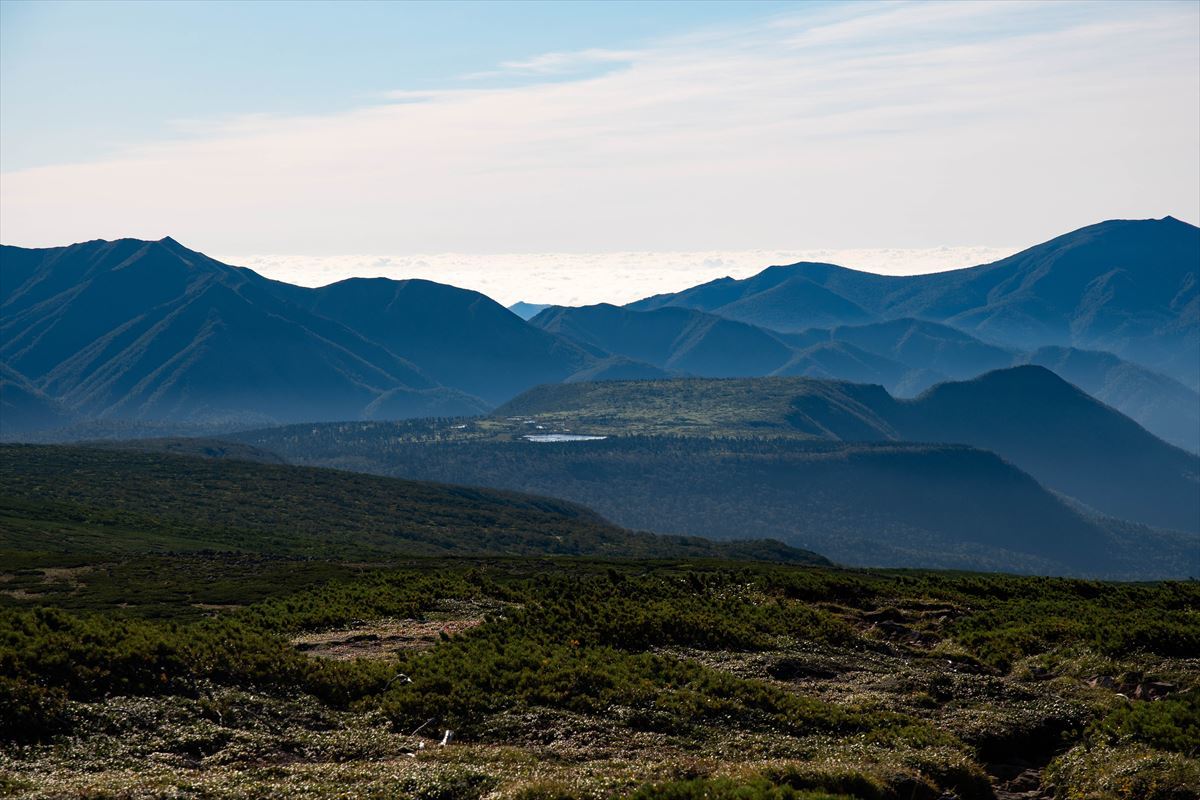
x=1161 y=405
x=684 y=341
x=460 y=338
x=1065 y=438
x=676 y=339
x=781 y=298
x=932 y=353
x=928 y=346
x=152 y=331
x=1049 y=428
x=844 y=361
x=528 y=310
x=1130 y=287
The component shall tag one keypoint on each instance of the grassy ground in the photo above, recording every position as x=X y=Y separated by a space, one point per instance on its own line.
x=224 y=675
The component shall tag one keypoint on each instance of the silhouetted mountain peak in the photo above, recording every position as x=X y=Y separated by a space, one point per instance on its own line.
x=1025 y=380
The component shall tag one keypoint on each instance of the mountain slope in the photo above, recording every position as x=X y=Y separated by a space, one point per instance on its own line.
x=24 y=407
x=928 y=346
x=528 y=311
x=837 y=360
x=1128 y=287
x=151 y=330
x=689 y=342
x=881 y=504
x=88 y=500
x=778 y=297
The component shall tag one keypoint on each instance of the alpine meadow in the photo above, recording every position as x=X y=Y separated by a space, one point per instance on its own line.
x=590 y=400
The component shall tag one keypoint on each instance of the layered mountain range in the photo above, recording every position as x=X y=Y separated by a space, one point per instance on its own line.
x=153 y=331
x=1032 y=414
x=1113 y=308
x=906 y=356
x=132 y=330
x=1128 y=287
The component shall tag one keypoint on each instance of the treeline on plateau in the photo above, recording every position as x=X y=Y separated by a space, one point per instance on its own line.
x=893 y=504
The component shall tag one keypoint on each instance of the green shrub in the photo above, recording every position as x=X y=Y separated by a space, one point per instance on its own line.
x=758 y=788
x=1172 y=723
x=29 y=712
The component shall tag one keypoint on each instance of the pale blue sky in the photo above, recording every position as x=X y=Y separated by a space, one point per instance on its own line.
x=351 y=135
x=80 y=79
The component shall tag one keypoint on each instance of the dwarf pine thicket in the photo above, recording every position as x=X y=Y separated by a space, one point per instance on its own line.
x=939 y=676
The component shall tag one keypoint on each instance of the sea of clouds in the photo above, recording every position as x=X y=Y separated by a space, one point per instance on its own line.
x=586 y=278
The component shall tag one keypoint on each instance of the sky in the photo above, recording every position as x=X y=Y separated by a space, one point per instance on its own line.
x=579 y=152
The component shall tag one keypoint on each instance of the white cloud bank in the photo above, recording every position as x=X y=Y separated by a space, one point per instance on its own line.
x=586 y=278
x=869 y=125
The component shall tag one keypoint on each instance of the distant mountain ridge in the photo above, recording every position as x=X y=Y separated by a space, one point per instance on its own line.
x=154 y=334
x=153 y=331
x=1130 y=287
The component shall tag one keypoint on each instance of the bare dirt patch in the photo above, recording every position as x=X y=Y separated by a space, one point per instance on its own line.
x=22 y=594
x=385 y=637
x=65 y=573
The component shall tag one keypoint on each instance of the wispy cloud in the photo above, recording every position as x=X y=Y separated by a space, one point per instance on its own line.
x=867 y=125
x=564 y=63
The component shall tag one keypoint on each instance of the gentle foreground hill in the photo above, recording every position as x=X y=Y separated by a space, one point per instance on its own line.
x=865 y=503
x=74 y=501
x=904 y=505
